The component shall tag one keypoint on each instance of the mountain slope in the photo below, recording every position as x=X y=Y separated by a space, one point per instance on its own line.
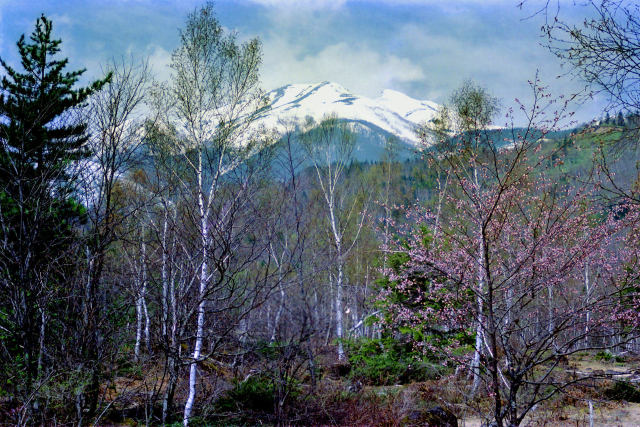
x=373 y=119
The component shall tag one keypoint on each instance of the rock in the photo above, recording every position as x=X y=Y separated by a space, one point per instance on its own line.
x=634 y=378
x=442 y=417
x=340 y=369
x=436 y=417
x=354 y=387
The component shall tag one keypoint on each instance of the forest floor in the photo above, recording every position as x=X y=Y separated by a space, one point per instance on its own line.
x=577 y=408
x=605 y=414
x=600 y=400
x=335 y=402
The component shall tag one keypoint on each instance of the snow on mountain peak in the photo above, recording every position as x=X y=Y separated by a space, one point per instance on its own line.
x=392 y=112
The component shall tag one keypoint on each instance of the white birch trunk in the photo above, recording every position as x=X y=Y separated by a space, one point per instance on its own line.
x=331 y=310
x=475 y=364
x=193 y=368
x=174 y=348
x=508 y=308
x=354 y=312
x=339 y=279
x=339 y=316
x=136 y=348
x=147 y=321
x=144 y=296
x=173 y=306
x=165 y=279
x=442 y=191
x=587 y=289
x=276 y=321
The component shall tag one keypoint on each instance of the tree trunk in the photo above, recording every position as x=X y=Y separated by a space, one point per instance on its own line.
x=136 y=348
x=193 y=366
x=587 y=290
x=43 y=321
x=165 y=280
x=339 y=316
x=144 y=296
x=475 y=364
x=172 y=352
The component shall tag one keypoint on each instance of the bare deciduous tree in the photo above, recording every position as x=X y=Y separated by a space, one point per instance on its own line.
x=116 y=118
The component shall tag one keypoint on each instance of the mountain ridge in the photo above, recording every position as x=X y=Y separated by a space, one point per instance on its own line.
x=392 y=113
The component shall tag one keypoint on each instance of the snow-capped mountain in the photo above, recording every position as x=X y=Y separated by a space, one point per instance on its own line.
x=393 y=113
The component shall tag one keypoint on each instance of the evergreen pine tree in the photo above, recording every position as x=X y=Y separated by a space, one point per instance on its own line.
x=39 y=141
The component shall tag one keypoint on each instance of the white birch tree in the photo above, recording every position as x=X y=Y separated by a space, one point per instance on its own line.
x=215 y=95
x=462 y=129
x=330 y=147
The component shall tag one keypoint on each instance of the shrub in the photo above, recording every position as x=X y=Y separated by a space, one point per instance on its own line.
x=254 y=394
x=388 y=361
x=606 y=356
x=623 y=390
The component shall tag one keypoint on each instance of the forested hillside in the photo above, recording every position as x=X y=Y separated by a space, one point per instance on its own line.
x=164 y=260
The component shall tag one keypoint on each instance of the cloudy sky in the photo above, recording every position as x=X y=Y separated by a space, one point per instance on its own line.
x=424 y=48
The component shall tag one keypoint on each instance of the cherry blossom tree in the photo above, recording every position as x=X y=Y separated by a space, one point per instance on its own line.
x=504 y=262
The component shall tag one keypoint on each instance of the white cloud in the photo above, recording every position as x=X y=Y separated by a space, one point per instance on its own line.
x=159 y=60
x=302 y=4
x=61 y=19
x=337 y=4
x=493 y=60
x=358 y=68
x=2 y=44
